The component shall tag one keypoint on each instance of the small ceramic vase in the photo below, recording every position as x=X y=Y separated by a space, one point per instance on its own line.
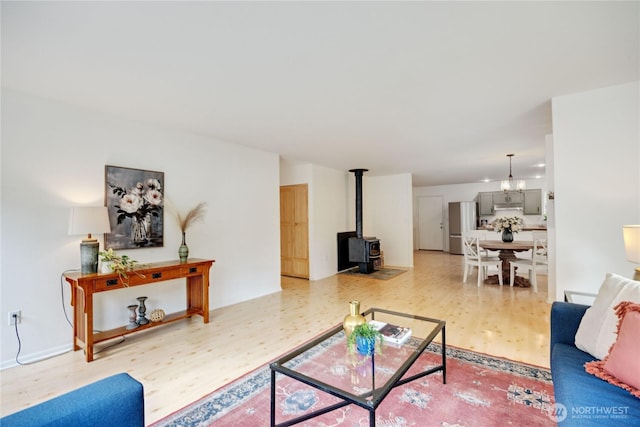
x=183 y=251
x=353 y=319
x=132 y=317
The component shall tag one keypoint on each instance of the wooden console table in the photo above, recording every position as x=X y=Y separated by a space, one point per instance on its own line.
x=83 y=286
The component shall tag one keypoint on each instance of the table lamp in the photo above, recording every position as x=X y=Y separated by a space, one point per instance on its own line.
x=87 y=220
x=632 y=246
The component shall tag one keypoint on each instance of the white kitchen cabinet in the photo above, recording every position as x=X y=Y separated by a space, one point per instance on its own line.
x=532 y=202
x=507 y=198
x=485 y=204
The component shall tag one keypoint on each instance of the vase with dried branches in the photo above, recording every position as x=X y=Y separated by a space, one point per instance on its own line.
x=194 y=215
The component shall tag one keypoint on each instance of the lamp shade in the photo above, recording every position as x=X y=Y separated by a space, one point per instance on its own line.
x=632 y=242
x=89 y=219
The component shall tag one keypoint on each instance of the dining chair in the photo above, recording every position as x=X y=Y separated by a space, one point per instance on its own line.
x=527 y=236
x=473 y=257
x=538 y=261
x=540 y=235
x=481 y=235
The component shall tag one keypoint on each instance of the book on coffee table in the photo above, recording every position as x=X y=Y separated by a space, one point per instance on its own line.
x=392 y=334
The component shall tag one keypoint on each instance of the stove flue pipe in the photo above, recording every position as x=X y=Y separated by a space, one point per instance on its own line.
x=358 y=173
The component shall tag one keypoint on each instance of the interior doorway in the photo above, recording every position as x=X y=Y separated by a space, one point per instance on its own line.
x=430 y=223
x=294 y=231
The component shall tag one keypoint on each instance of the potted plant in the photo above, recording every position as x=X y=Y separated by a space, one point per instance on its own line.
x=365 y=339
x=119 y=264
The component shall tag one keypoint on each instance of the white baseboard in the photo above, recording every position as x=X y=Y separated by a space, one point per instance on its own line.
x=35 y=357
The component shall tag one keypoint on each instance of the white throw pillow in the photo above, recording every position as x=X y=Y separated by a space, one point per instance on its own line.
x=597 y=330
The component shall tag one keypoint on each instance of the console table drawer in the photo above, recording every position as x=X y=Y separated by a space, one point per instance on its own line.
x=106 y=284
x=194 y=269
x=151 y=276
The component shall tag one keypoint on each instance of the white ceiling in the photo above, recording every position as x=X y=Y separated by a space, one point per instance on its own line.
x=441 y=90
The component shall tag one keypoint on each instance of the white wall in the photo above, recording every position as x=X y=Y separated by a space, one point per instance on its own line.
x=387 y=213
x=596 y=140
x=53 y=157
x=389 y=207
x=292 y=173
x=329 y=212
x=551 y=219
x=386 y=207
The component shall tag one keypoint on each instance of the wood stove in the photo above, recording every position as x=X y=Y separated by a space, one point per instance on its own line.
x=363 y=250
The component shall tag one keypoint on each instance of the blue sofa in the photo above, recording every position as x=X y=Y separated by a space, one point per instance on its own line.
x=117 y=400
x=582 y=399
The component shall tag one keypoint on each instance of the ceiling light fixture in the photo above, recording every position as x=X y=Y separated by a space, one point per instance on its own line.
x=508 y=184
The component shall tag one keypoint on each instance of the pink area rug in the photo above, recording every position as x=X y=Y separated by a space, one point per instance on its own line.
x=481 y=390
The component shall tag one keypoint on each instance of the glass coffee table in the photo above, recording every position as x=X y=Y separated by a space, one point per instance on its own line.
x=326 y=364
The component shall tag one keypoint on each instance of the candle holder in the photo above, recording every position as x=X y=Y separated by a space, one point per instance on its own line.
x=132 y=317
x=142 y=320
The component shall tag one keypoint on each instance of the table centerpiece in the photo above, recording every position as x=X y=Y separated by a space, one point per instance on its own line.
x=508 y=225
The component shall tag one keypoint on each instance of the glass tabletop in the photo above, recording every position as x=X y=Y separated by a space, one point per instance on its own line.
x=327 y=363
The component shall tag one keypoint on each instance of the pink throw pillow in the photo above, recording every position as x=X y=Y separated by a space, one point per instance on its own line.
x=624 y=359
x=621 y=367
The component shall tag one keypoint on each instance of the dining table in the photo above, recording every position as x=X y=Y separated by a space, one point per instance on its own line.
x=507 y=252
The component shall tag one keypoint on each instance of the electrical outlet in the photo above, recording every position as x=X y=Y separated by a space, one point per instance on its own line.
x=14 y=317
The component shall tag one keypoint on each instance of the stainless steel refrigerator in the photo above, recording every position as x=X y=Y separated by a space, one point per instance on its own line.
x=462 y=217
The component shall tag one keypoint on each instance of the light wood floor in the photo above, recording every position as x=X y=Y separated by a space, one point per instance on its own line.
x=182 y=362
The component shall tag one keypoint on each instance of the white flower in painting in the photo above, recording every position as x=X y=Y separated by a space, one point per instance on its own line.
x=154 y=197
x=154 y=184
x=130 y=203
x=138 y=189
x=142 y=202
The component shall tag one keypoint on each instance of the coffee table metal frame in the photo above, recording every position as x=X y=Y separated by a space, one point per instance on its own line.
x=372 y=399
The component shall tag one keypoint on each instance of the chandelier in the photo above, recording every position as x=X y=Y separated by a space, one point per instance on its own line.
x=509 y=184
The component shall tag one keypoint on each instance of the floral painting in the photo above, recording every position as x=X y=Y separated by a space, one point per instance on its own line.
x=134 y=199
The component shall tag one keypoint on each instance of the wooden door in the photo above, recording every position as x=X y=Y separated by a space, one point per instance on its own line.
x=430 y=227
x=294 y=231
